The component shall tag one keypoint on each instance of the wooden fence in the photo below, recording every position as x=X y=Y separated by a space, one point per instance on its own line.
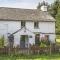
x=31 y=50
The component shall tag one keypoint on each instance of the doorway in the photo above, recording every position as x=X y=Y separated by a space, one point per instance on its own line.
x=24 y=41
x=37 y=39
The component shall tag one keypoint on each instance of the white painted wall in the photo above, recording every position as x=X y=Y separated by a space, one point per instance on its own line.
x=12 y=26
x=30 y=25
x=8 y=27
x=47 y=27
x=23 y=32
x=52 y=38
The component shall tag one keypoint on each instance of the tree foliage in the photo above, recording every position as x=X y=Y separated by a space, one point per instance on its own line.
x=54 y=8
x=58 y=21
x=55 y=12
x=41 y=4
x=2 y=41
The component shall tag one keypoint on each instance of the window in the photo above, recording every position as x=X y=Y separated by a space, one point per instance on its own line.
x=22 y=24
x=44 y=37
x=30 y=36
x=36 y=24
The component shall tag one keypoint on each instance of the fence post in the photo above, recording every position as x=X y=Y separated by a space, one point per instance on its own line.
x=50 y=48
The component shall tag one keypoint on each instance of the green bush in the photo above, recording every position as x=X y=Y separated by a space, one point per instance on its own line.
x=44 y=43
x=2 y=41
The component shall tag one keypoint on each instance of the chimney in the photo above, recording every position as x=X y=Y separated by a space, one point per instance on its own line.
x=44 y=6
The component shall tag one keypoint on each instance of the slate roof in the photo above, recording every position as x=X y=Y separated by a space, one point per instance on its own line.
x=24 y=14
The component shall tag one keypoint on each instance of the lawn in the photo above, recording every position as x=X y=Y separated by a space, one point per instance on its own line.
x=58 y=40
x=30 y=57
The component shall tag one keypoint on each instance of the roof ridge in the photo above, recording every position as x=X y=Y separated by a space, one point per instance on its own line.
x=17 y=8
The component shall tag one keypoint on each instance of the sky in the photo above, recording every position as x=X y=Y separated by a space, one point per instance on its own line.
x=27 y=4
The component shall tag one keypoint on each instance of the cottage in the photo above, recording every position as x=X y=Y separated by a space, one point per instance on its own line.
x=29 y=26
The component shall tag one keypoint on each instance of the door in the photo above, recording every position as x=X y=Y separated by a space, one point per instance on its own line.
x=37 y=39
x=23 y=41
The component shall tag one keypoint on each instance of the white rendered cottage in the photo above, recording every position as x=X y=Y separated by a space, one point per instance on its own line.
x=27 y=25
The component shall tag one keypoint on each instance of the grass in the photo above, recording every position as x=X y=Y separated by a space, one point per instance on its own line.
x=58 y=40
x=30 y=57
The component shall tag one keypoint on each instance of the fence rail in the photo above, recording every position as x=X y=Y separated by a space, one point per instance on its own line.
x=31 y=50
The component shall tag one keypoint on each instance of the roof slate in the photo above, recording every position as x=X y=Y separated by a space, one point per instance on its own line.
x=24 y=14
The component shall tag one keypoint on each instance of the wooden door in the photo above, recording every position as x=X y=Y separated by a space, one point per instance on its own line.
x=37 y=39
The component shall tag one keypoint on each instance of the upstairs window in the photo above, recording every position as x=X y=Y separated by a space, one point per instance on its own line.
x=22 y=24
x=36 y=25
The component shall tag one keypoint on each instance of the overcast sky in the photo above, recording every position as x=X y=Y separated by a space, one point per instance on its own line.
x=29 y=4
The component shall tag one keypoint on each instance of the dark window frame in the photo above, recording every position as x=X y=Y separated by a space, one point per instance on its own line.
x=23 y=24
x=36 y=24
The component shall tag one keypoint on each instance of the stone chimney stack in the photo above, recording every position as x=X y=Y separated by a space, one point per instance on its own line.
x=44 y=6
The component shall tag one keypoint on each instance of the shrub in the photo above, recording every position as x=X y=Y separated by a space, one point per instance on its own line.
x=2 y=41
x=44 y=43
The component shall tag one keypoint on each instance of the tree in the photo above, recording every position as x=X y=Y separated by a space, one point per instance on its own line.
x=39 y=5
x=54 y=8
x=58 y=21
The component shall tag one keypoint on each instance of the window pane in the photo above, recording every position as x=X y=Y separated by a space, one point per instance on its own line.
x=22 y=23
x=36 y=24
